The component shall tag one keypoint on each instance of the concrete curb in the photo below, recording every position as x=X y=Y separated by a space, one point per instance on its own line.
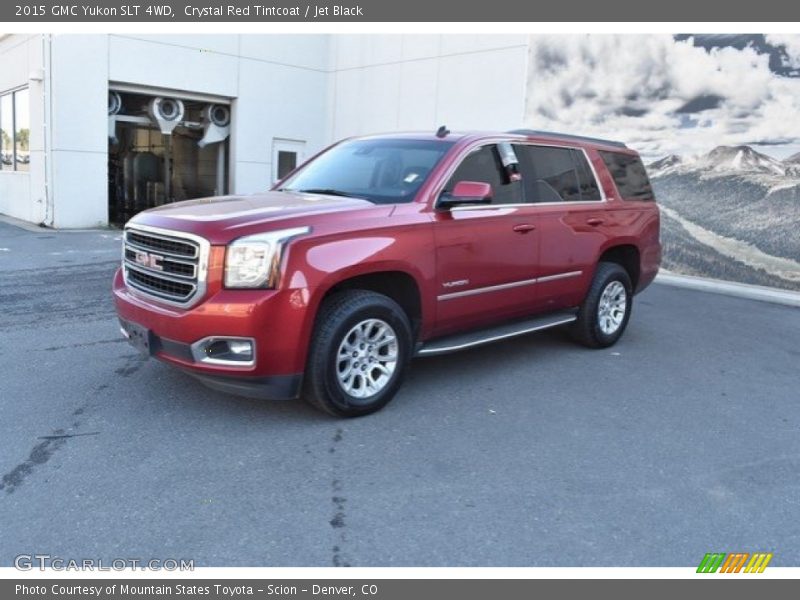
x=34 y=228
x=728 y=288
x=19 y=223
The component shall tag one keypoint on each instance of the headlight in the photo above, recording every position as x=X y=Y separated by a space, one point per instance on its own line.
x=254 y=261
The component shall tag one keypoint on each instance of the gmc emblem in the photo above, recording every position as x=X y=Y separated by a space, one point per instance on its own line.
x=151 y=261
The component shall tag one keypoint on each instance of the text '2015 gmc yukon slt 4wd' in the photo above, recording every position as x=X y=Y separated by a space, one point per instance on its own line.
x=387 y=247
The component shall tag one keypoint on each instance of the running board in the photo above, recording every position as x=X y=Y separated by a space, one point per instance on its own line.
x=461 y=341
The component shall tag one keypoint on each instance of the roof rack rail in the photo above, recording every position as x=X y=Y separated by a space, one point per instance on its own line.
x=581 y=138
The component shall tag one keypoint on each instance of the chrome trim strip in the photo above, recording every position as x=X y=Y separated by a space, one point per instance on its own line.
x=487 y=289
x=496 y=338
x=204 y=250
x=505 y=286
x=523 y=205
x=559 y=276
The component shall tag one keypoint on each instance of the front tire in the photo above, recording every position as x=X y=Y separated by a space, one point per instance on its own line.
x=604 y=314
x=359 y=352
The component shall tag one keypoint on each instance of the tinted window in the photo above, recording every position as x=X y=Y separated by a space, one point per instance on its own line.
x=590 y=190
x=629 y=175
x=380 y=170
x=556 y=174
x=484 y=164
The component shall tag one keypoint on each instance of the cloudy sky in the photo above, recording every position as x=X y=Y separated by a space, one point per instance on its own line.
x=670 y=94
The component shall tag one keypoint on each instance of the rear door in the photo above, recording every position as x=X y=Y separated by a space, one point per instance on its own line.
x=486 y=254
x=568 y=208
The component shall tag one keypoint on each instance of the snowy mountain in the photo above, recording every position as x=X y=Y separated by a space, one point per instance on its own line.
x=734 y=193
x=793 y=165
x=742 y=159
x=726 y=160
x=793 y=159
x=663 y=164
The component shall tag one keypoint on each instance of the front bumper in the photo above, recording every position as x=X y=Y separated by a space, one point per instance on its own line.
x=275 y=387
x=275 y=319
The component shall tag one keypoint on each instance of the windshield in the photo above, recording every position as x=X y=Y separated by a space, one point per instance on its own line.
x=383 y=171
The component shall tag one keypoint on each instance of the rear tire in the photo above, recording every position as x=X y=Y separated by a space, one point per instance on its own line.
x=604 y=314
x=359 y=352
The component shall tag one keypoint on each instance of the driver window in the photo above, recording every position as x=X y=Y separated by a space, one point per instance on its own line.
x=484 y=164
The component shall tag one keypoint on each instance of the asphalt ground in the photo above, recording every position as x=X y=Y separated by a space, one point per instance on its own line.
x=682 y=439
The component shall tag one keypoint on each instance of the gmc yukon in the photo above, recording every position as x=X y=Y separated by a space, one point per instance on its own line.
x=383 y=248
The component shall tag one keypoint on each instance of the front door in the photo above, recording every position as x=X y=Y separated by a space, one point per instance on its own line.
x=486 y=254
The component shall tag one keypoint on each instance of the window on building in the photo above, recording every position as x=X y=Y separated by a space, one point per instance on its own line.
x=485 y=165
x=287 y=155
x=15 y=131
x=287 y=162
x=7 y=132
x=22 y=130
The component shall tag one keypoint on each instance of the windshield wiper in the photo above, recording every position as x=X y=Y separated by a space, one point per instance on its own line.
x=326 y=192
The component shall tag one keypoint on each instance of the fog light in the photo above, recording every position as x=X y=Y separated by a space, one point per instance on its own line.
x=224 y=351
x=230 y=350
x=241 y=348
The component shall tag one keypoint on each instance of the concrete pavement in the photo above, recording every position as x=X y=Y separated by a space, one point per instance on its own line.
x=682 y=439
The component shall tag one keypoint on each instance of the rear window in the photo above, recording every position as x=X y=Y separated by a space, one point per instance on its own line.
x=629 y=175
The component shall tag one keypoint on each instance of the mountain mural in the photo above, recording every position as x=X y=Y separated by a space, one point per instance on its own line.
x=733 y=213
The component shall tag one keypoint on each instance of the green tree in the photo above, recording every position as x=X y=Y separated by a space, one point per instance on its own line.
x=23 y=137
x=6 y=140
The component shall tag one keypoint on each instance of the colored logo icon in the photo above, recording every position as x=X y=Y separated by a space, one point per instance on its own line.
x=735 y=562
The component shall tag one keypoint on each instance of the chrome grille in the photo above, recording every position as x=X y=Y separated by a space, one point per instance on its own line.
x=185 y=269
x=166 y=265
x=161 y=244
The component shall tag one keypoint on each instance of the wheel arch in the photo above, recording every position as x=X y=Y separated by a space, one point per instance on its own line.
x=626 y=255
x=398 y=284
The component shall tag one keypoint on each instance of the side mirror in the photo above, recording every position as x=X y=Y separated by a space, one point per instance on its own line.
x=467 y=192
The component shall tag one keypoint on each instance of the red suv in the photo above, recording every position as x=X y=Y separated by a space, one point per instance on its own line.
x=387 y=247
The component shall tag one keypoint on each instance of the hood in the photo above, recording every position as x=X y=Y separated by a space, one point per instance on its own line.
x=221 y=218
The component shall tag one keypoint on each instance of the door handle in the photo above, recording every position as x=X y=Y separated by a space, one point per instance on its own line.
x=524 y=227
x=595 y=221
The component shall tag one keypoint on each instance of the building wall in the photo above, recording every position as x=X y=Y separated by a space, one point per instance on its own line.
x=277 y=85
x=79 y=138
x=419 y=82
x=309 y=88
